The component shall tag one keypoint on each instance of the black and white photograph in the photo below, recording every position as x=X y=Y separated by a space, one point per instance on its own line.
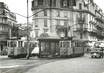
x=51 y=36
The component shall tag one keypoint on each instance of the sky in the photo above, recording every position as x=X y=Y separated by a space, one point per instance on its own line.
x=19 y=6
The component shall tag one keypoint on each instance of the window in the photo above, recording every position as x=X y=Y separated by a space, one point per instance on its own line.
x=58 y=13
x=80 y=6
x=54 y=3
x=36 y=23
x=45 y=22
x=45 y=30
x=45 y=12
x=36 y=33
x=19 y=43
x=65 y=14
x=40 y=2
x=65 y=23
x=58 y=22
x=36 y=15
x=1 y=12
x=72 y=2
x=32 y=3
x=65 y=3
x=1 y=27
x=13 y=44
x=4 y=20
x=61 y=45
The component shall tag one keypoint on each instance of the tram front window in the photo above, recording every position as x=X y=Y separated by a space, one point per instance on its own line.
x=66 y=44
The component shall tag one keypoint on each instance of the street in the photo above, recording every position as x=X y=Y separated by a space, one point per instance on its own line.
x=83 y=64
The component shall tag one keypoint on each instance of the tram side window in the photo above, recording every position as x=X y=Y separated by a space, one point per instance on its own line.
x=13 y=44
x=77 y=44
x=61 y=44
x=8 y=44
x=65 y=44
x=20 y=43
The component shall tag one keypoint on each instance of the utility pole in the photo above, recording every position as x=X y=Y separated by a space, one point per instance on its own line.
x=28 y=52
x=51 y=16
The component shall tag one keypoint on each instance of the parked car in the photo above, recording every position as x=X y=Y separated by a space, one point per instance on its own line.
x=96 y=53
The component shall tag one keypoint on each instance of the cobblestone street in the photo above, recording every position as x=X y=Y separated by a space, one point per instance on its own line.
x=83 y=64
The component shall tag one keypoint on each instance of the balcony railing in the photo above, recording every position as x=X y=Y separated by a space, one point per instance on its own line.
x=62 y=27
x=82 y=30
x=96 y=33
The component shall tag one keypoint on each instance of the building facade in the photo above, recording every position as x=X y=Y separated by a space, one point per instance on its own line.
x=7 y=20
x=80 y=19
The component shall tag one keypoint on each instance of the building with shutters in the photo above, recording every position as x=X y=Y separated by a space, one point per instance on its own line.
x=7 y=20
x=79 y=19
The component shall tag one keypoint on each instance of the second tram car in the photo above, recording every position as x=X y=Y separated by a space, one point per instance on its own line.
x=56 y=47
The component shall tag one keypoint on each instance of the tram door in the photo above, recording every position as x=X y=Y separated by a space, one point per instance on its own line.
x=65 y=48
x=11 y=47
x=54 y=48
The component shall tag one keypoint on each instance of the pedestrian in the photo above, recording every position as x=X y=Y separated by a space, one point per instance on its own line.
x=35 y=51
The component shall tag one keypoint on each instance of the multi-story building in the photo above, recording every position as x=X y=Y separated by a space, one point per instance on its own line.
x=80 y=19
x=7 y=20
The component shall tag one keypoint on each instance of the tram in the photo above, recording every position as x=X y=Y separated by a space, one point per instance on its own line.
x=57 y=47
x=17 y=48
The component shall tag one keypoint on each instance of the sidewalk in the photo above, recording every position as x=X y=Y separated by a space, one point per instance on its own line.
x=2 y=57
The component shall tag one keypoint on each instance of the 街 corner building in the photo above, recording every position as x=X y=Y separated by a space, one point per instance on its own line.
x=79 y=19
x=7 y=20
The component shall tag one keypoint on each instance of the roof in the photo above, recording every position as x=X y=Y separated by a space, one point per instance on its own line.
x=48 y=36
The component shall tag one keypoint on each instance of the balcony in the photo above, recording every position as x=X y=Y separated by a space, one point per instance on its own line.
x=99 y=19
x=93 y=32
x=92 y=22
